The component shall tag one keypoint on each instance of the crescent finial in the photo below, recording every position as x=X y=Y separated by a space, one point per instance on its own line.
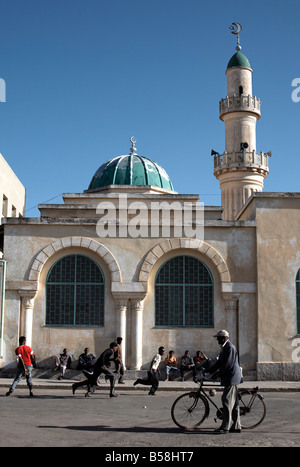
x=133 y=148
x=236 y=29
x=237 y=26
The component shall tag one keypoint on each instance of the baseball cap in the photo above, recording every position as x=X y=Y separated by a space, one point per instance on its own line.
x=222 y=333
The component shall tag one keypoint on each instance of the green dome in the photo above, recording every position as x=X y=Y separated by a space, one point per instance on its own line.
x=131 y=169
x=238 y=59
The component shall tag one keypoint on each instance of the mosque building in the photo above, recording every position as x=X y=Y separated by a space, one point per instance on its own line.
x=131 y=257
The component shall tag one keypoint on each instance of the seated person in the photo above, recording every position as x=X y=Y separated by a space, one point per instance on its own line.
x=202 y=362
x=199 y=359
x=62 y=362
x=86 y=360
x=187 y=364
x=170 y=363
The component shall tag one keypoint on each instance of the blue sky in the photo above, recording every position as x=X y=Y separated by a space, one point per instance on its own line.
x=83 y=76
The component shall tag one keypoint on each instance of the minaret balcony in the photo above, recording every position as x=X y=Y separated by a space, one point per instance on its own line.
x=241 y=160
x=240 y=103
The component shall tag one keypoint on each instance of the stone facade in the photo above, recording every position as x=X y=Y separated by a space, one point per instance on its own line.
x=253 y=273
x=250 y=247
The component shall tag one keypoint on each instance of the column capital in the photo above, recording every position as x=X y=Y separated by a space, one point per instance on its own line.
x=121 y=302
x=137 y=303
x=28 y=297
x=231 y=301
x=122 y=298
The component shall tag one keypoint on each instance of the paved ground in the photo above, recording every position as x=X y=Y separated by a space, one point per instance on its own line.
x=133 y=420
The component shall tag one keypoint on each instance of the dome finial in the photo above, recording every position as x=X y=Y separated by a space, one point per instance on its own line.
x=236 y=31
x=133 y=148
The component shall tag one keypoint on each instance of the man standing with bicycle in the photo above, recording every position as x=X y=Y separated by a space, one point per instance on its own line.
x=228 y=369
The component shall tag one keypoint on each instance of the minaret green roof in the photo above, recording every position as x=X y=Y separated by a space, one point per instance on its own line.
x=238 y=59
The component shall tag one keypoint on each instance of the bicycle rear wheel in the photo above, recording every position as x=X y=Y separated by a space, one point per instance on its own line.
x=189 y=410
x=252 y=409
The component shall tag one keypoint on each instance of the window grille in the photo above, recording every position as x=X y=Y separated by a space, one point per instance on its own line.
x=75 y=293
x=184 y=293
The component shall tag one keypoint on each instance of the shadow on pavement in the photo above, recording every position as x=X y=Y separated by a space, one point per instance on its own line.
x=135 y=429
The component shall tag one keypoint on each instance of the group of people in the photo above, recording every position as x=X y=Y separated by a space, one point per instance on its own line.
x=187 y=363
x=87 y=362
x=93 y=368
x=226 y=368
x=200 y=361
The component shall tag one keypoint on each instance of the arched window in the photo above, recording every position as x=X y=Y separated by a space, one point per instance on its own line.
x=184 y=293
x=298 y=300
x=75 y=293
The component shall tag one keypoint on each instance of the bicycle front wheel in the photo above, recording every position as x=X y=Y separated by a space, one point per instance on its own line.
x=189 y=410
x=252 y=409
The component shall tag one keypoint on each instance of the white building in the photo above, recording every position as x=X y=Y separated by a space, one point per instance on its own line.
x=12 y=192
x=12 y=204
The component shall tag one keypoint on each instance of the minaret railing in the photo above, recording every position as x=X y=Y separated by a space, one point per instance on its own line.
x=242 y=158
x=239 y=103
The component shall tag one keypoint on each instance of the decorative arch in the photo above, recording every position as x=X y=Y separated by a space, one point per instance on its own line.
x=78 y=242
x=184 y=243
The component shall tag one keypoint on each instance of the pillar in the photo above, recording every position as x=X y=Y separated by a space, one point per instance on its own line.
x=231 y=310
x=121 y=312
x=137 y=306
x=27 y=305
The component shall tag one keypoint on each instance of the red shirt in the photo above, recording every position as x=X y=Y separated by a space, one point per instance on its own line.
x=24 y=352
x=198 y=359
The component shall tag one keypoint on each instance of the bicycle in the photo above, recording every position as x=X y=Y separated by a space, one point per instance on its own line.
x=191 y=409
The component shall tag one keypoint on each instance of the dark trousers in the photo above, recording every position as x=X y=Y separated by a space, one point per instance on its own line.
x=152 y=380
x=204 y=365
x=91 y=379
x=185 y=368
x=120 y=370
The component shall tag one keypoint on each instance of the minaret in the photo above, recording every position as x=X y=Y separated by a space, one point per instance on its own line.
x=240 y=169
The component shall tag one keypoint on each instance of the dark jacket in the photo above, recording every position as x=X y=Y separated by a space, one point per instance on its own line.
x=185 y=361
x=86 y=361
x=104 y=359
x=227 y=366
